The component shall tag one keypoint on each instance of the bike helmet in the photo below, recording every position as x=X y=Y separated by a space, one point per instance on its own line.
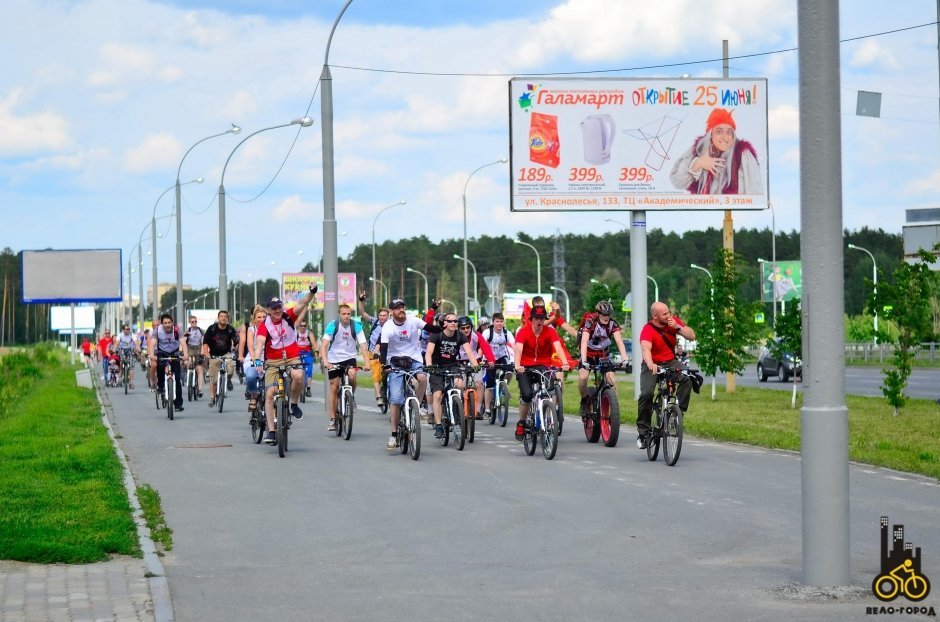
x=604 y=308
x=463 y=320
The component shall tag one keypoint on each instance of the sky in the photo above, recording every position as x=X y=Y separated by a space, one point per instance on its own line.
x=101 y=99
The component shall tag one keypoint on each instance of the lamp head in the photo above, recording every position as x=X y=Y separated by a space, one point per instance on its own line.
x=304 y=122
x=408 y=269
x=503 y=160
x=852 y=245
x=235 y=129
x=456 y=256
x=198 y=180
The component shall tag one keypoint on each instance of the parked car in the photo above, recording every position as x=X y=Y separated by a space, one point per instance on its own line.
x=768 y=365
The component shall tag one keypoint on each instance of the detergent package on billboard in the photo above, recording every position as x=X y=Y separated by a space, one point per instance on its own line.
x=544 y=147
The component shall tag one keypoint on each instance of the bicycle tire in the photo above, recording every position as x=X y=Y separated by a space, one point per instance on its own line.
x=125 y=380
x=460 y=424
x=470 y=416
x=672 y=435
x=258 y=427
x=170 y=398
x=347 y=420
x=409 y=408
x=220 y=389
x=502 y=416
x=609 y=417
x=652 y=444
x=414 y=434
x=157 y=394
x=341 y=405
x=560 y=410
x=549 y=434
x=190 y=389
x=529 y=438
x=383 y=407
x=282 y=425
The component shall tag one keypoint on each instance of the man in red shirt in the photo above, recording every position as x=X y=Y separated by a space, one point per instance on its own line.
x=535 y=344
x=104 y=350
x=277 y=340
x=658 y=347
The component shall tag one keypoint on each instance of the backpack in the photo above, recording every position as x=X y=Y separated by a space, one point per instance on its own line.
x=590 y=315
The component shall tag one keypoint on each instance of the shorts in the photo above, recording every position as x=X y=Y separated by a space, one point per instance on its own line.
x=396 y=383
x=436 y=382
x=216 y=363
x=376 y=366
x=306 y=357
x=270 y=369
x=336 y=373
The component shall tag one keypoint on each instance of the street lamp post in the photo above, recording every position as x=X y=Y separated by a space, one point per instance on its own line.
x=712 y=314
x=223 y=277
x=606 y=286
x=384 y=289
x=773 y=254
x=567 y=301
x=476 y=292
x=427 y=300
x=655 y=287
x=180 y=311
x=153 y=239
x=466 y=295
x=874 y=281
x=374 y=275
x=538 y=265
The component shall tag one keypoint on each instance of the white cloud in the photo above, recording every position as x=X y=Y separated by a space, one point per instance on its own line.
x=79 y=161
x=294 y=208
x=170 y=73
x=30 y=133
x=126 y=58
x=783 y=122
x=925 y=185
x=200 y=34
x=156 y=151
x=240 y=105
x=870 y=53
x=352 y=168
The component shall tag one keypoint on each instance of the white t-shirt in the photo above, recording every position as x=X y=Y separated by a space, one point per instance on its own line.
x=403 y=339
x=343 y=344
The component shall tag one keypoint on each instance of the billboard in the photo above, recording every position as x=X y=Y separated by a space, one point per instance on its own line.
x=513 y=303
x=60 y=318
x=295 y=285
x=622 y=144
x=66 y=276
x=784 y=277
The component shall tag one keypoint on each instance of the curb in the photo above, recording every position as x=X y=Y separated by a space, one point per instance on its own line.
x=159 y=587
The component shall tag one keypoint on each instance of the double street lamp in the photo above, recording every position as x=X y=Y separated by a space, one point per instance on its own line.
x=179 y=252
x=427 y=301
x=606 y=286
x=223 y=277
x=374 y=275
x=466 y=279
x=384 y=289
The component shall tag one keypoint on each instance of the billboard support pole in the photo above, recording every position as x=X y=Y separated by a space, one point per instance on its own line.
x=728 y=231
x=73 y=342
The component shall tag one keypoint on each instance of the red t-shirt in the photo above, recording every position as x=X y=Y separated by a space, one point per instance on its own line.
x=103 y=344
x=661 y=351
x=537 y=350
x=86 y=347
x=281 y=338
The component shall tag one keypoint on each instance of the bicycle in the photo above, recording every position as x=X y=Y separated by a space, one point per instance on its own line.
x=192 y=385
x=409 y=419
x=541 y=425
x=666 y=423
x=500 y=412
x=602 y=421
x=282 y=416
x=453 y=415
x=221 y=380
x=345 y=403
x=168 y=397
x=125 y=369
x=469 y=402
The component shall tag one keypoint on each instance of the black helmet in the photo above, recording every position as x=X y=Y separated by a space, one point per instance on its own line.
x=463 y=320
x=604 y=308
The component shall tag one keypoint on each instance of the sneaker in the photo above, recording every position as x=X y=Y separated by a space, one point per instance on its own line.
x=132 y=385
x=332 y=427
x=392 y=443
x=270 y=439
x=479 y=416
x=307 y=391
x=585 y=406
x=439 y=431
x=520 y=430
x=380 y=401
x=641 y=441
x=230 y=386
x=200 y=393
x=295 y=412
x=179 y=408
x=211 y=402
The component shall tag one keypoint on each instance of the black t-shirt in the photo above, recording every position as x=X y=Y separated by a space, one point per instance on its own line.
x=220 y=340
x=446 y=348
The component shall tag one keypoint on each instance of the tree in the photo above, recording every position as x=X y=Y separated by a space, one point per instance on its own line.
x=907 y=303
x=789 y=339
x=723 y=322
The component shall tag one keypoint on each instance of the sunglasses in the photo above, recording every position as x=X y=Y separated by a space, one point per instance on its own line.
x=303 y=326
x=451 y=321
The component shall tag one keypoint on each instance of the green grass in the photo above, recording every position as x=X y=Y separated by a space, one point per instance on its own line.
x=763 y=417
x=62 y=490
x=160 y=532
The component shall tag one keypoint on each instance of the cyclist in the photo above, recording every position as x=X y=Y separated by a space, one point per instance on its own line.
x=103 y=350
x=305 y=340
x=246 y=340
x=501 y=342
x=658 y=348
x=338 y=347
x=219 y=340
x=444 y=350
x=480 y=349
x=534 y=346
x=193 y=346
x=596 y=336
x=165 y=341
x=276 y=339
x=143 y=338
x=127 y=347
x=399 y=346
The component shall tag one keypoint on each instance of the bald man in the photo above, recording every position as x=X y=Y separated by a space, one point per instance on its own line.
x=658 y=349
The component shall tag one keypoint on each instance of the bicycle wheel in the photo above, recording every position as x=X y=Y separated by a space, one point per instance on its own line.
x=591 y=421
x=610 y=417
x=502 y=411
x=529 y=439
x=190 y=386
x=170 y=398
x=258 y=427
x=460 y=424
x=672 y=435
x=157 y=395
x=383 y=407
x=220 y=389
x=652 y=444
x=560 y=408
x=283 y=424
x=124 y=379
x=347 y=419
x=549 y=433
x=470 y=416
x=414 y=432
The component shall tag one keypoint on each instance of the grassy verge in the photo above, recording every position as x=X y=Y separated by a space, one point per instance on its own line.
x=160 y=532
x=763 y=417
x=62 y=491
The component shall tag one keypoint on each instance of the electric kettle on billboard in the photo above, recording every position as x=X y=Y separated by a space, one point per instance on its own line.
x=597 y=131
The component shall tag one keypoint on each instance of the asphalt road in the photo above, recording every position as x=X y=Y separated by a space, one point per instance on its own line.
x=923 y=383
x=345 y=530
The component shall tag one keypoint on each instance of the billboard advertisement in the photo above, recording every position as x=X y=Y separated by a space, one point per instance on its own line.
x=622 y=144
x=64 y=276
x=60 y=319
x=295 y=285
x=785 y=278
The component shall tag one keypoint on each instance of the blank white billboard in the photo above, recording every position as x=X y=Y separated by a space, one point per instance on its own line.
x=60 y=318
x=67 y=276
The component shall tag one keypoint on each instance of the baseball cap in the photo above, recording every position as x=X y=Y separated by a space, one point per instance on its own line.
x=274 y=302
x=538 y=311
x=398 y=302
